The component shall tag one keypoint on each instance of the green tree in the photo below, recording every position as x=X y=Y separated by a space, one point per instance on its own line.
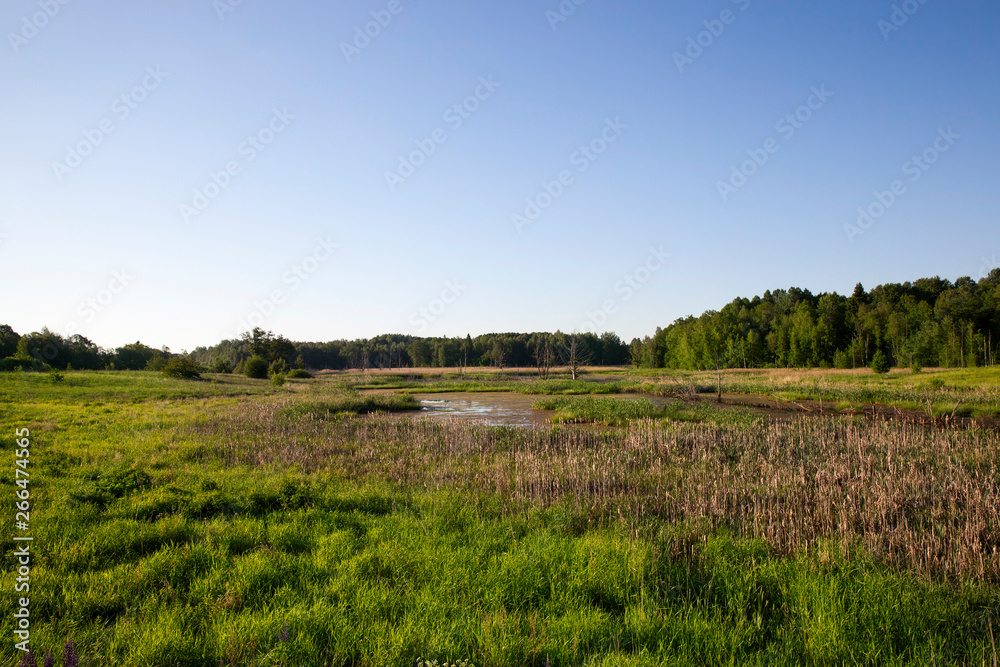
x=256 y=367
x=181 y=367
x=8 y=341
x=880 y=363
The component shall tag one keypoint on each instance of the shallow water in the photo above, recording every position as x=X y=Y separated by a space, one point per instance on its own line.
x=492 y=408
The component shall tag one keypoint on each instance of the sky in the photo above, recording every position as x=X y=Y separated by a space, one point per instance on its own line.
x=177 y=173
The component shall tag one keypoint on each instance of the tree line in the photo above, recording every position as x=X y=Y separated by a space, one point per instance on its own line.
x=929 y=322
x=45 y=350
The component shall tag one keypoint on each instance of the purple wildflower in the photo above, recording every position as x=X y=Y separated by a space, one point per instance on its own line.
x=50 y=660
x=70 y=656
x=284 y=632
x=28 y=660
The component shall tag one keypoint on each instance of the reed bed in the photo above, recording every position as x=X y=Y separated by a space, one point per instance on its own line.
x=924 y=392
x=916 y=499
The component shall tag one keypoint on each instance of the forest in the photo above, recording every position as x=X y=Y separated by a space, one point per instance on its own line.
x=929 y=322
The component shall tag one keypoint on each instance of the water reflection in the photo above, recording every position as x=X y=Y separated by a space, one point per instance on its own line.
x=493 y=408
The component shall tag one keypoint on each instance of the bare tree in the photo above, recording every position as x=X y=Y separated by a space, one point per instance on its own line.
x=541 y=350
x=576 y=354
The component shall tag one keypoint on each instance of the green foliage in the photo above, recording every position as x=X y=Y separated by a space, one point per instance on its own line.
x=181 y=367
x=278 y=379
x=56 y=377
x=135 y=357
x=351 y=402
x=101 y=488
x=8 y=341
x=299 y=374
x=158 y=361
x=278 y=367
x=930 y=321
x=606 y=411
x=265 y=344
x=221 y=365
x=256 y=368
x=619 y=411
x=880 y=363
x=158 y=552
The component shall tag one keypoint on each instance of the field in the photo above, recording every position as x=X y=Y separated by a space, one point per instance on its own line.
x=228 y=521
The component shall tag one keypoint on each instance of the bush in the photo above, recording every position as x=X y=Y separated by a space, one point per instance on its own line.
x=278 y=367
x=278 y=379
x=220 y=365
x=16 y=364
x=181 y=367
x=255 y=367
x=880 y=364
x=157 y=362
x=299 y=374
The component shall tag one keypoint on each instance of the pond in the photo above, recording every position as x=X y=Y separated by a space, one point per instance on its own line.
x=493 y=408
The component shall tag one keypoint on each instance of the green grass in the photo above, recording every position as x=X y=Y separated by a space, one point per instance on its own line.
x=348 y=402
x=971 y=392
x=604 y=411
x=491 y=383
x=88 y=387
x=620 y=411
x=152 y=549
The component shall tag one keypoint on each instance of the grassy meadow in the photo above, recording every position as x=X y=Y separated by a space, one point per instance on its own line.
x=228 y=521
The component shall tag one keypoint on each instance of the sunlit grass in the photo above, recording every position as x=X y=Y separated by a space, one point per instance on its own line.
x=191 y=523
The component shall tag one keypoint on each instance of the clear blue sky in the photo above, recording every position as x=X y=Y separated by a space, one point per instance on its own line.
x=199 y=79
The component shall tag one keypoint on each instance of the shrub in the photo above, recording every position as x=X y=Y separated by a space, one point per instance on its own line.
x=181 y=367
x=880 y=364
x=157 y=362
x=278 y=367
x=278 y=379
x=16 y=363
x=299 y=374
x=256 y=368
x=220 y=365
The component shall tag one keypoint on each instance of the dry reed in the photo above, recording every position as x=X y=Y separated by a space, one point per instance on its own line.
x=913 y=498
